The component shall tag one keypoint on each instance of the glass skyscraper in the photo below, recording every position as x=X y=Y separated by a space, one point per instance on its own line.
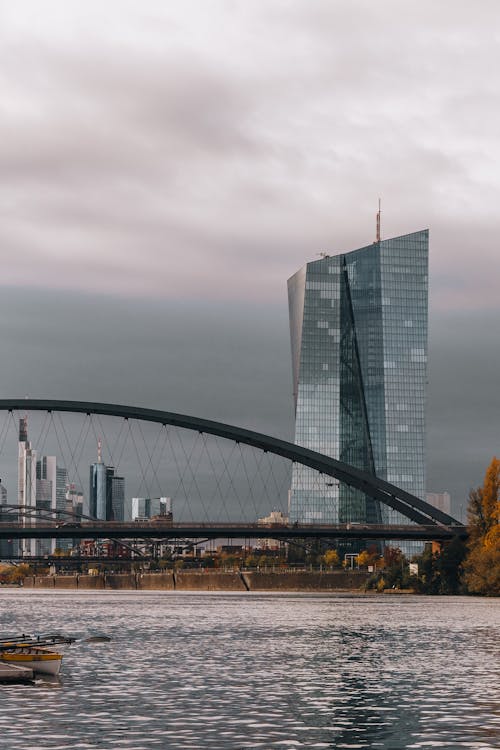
x=358 y=324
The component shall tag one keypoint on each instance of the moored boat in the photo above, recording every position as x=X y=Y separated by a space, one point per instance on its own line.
x=40 y=660
x=32 y=652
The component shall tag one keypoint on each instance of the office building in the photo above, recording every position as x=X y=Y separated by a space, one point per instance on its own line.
x=358 y=323
x=8 y=547
x=440 y=500
x=26 y=485
x=117 y=498
x=106 y=491
x=144 y=508
x=51 y=481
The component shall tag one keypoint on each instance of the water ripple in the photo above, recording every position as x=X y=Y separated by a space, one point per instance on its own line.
x=233 y=671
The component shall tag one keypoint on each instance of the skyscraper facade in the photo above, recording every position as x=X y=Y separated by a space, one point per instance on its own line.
x=358 y=324
x=106 y=493
x=118 y=498
x=26 y=484
x=8 y=547
x=97 y=490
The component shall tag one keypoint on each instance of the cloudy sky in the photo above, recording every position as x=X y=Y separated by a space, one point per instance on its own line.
x=166 y=166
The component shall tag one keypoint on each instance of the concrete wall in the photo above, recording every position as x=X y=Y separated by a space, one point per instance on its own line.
x=91 y=582
x=208 y=581
x=306 y=581
x=155 y=581
x=65 y=582
x=44 y=582
x=120 y=581
x=187 y=581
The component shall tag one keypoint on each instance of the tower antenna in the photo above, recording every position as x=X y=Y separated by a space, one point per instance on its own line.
x=378 y=222
x=99 y=451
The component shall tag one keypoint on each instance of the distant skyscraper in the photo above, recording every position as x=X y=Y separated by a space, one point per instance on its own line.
x=51 y=481
x=26 y=481
x=117 y=498
x=8 y=547
x=358 y=323
x=106 y=491
x=97 y=491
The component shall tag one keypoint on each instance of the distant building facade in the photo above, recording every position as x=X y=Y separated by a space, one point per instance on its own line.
x=275 y=518
x=358 y=323
x=106 y=492
x=440 y=500
x=8 y=547
x=144 y=508
x=42 y=484
x=26 y=485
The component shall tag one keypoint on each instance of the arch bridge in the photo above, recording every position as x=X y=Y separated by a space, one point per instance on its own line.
x=427 y=522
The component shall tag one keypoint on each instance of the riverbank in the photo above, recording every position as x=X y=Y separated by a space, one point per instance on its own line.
x=308 y=581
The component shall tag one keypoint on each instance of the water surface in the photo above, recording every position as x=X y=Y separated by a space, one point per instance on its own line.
x=228 y=671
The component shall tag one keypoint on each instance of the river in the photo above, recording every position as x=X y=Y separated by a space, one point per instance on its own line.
x=232 y=671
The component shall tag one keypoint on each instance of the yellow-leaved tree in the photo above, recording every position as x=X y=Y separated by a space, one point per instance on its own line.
x=482 y=566
x=331 y=558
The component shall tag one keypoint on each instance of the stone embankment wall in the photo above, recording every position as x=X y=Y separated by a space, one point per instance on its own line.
x=207 y=581
x=305 y=581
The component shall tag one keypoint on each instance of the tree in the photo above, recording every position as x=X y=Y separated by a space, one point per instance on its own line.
x=482 y=570
x=482 y=566
x=331 y=558
x=368 y=557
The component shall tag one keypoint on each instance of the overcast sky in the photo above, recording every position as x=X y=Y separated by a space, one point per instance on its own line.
x=166 y=166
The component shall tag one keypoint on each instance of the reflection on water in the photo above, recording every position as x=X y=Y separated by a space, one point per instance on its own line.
x=231 y=671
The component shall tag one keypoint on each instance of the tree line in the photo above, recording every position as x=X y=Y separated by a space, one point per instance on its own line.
x=458 y=567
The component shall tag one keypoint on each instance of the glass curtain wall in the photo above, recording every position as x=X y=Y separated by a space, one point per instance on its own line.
x=358 y=324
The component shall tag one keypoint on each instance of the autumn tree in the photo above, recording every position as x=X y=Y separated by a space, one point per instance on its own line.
x=482 y=566
x=331 y=558
x=370 y=556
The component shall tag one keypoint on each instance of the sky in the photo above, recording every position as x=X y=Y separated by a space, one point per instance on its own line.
x=166 y=166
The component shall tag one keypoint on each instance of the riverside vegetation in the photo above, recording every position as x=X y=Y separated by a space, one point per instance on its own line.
x=471 y=567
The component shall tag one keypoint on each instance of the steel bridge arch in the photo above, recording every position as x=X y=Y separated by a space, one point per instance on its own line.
x=409 y=505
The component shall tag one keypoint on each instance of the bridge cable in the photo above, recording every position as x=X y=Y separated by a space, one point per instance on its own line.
x=217 y=490
x=150 y=455
x=223 y=493
x=193 y=475
x=226 y=464
x=247 y=477
x=73 y=452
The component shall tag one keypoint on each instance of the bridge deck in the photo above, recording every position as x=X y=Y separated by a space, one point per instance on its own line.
x=114 y=530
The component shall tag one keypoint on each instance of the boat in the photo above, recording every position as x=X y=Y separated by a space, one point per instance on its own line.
x=32 y=652
x=37 y=658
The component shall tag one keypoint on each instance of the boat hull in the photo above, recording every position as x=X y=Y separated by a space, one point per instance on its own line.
x=40 y=661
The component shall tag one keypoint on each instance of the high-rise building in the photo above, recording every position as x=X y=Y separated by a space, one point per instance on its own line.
x=26 y=487
x=106 y=491
x=97 y=491
x=117 y=498
x=51 y=481
x=358 y=323
x=8 y=547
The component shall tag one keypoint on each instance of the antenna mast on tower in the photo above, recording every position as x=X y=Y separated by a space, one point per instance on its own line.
x=378 y=222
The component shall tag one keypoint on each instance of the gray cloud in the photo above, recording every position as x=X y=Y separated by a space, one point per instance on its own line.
x=184 y=160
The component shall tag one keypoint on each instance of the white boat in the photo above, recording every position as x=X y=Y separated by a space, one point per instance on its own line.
x=40 y=660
